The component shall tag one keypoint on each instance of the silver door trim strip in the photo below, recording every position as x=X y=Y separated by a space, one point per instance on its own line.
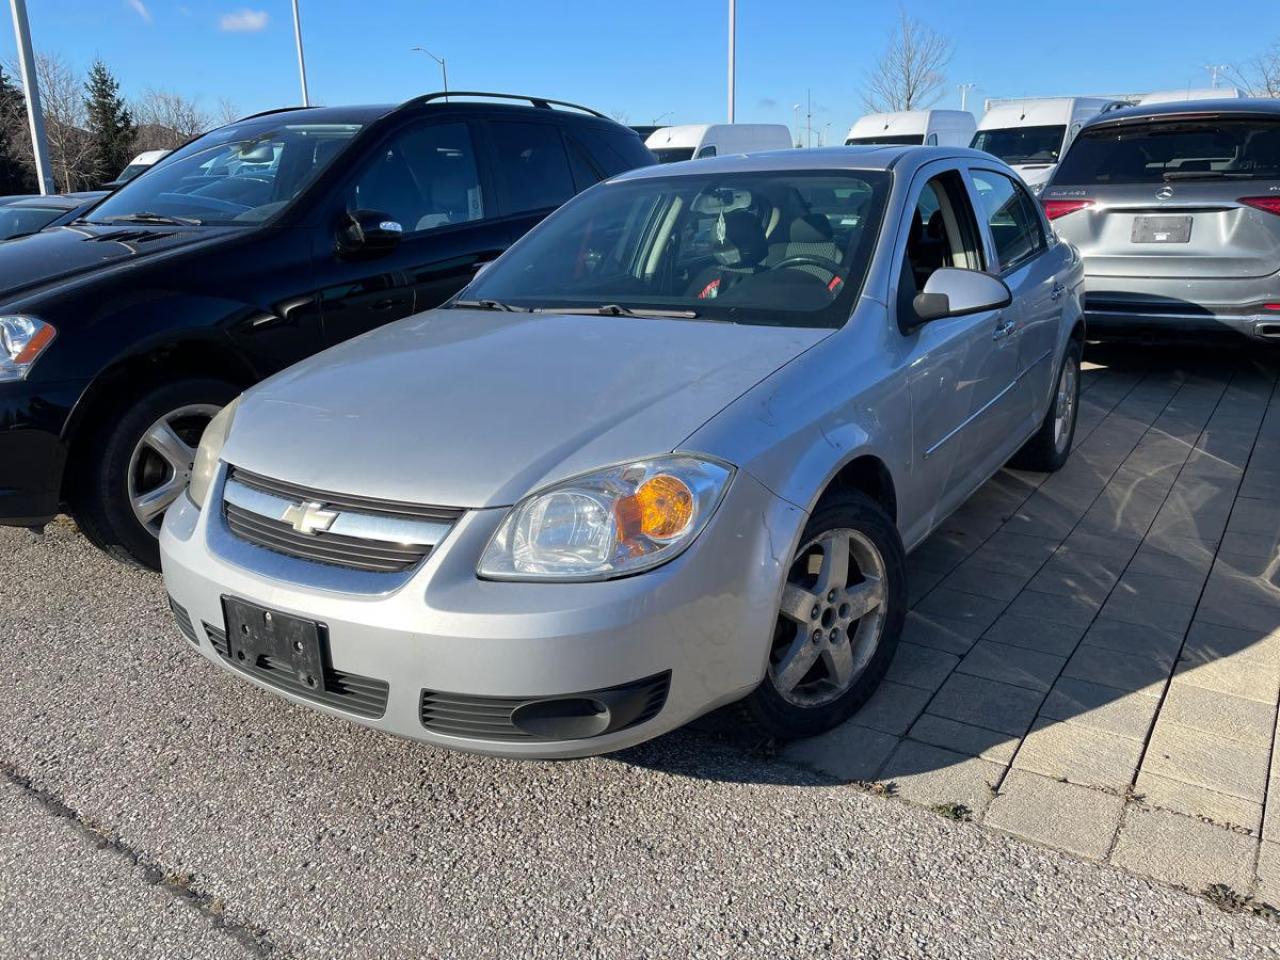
x=989 y=404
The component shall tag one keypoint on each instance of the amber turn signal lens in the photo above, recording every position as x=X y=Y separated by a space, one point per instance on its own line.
x=660 y=509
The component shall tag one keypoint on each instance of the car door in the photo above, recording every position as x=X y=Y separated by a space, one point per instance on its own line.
x=958 y=374
x=532 y=172
x=426 y=176
x=1020 y=245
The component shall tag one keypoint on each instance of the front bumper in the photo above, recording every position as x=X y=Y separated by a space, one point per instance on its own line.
x=699 y=626
x=32 y=452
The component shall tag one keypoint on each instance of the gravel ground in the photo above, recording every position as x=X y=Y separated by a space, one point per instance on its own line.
x=155 y=806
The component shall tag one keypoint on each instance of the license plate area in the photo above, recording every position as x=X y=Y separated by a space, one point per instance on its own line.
x=1161 y=230
x=264 y=639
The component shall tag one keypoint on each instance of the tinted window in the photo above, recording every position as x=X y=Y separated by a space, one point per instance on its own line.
x=905 y=140
x=17 y=221
x=1152 y=153
x=673 y=154
x=1022 y=144
x=244 y=172
x=1011 y=214
x=531 y=157
x=701 y=243
x=612 y=151
x=425 y=177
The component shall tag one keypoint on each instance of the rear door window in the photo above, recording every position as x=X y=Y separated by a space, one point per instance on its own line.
x=1011 y=215
x=1207 y=149
x=534 y=165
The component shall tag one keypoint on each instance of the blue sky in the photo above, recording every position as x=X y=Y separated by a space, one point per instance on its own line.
x=657 y=58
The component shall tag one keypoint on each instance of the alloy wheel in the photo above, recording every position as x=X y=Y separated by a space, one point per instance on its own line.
x=160 y=466
x=831 y=618
x=1064 y=405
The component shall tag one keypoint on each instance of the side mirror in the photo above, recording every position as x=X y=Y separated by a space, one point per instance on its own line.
x=953 y=292
x=368 y=233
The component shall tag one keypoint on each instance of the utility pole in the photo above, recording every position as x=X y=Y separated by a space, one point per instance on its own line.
x=444 y=70
x=733 y=15
x=35 y=115
x=1216 y=70
x=964 y=94
x=795 y=122
x=302 y=63
x=808 y=118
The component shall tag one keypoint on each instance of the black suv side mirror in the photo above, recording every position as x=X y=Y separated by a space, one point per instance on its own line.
x=368 y=233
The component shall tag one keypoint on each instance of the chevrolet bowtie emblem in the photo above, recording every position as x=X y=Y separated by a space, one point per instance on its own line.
x=309 y=517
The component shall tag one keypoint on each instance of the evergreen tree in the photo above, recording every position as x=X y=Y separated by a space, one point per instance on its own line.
x=15 y=176
x=110 y=123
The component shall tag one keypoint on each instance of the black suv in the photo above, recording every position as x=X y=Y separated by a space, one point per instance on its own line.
x=253 y=246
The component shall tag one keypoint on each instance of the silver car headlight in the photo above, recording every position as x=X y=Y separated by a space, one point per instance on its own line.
x=209 y=453
x=22 y=340
x=610 y=523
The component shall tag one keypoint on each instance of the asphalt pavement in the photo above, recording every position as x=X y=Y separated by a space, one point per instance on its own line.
x=153 y=806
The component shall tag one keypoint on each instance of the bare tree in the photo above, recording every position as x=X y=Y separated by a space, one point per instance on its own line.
x=71 y=148
x=1259 y=77
x=227 y=112
x=167 y=119
x=909 y=75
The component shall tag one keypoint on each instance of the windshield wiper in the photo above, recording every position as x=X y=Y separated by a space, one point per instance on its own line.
x=1206 y=175
x=488 y=305
x=151 y=218
x=616 y=310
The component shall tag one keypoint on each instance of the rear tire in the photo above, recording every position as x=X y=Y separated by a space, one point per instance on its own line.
x=835 y=634
x=1049 y=449
x=139 y=462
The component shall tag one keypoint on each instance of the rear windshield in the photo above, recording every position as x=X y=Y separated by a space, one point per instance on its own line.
x=904 y=139
x=673 y=154
x=781 y=249
x=1207 y=149
x=1022 y=144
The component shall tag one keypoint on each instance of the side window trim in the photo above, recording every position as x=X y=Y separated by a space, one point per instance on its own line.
x=1032 y=209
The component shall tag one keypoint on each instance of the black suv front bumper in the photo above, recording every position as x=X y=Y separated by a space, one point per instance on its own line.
x=32 y=450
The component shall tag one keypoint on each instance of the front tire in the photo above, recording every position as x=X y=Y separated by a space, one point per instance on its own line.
x=1049 y=449
x=841 y=616
x=140 y=463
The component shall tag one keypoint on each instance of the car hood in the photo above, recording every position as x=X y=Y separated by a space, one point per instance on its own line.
x=62 y=253
x=468 y=408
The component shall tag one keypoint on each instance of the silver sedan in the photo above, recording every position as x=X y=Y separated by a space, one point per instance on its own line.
x=668 y=453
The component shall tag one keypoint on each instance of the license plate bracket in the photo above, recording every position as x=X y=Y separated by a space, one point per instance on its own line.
x=1161 y=230
x=290 y=644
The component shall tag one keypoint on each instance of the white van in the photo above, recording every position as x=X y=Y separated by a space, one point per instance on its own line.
x=1032 y=135
x=1181 y=96
x=945 y=128
x=692 y=141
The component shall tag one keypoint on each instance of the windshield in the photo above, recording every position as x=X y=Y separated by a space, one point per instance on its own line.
x=1022 y=144
x=673 y=154
x=19 y=221
x=782 y=249
x=902 y=139
x=1207 y=149
x=239 y=174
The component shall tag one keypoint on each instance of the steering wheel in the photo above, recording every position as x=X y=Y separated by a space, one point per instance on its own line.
x=808 y=260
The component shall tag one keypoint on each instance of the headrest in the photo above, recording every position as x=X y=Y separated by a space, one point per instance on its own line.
x=740 y=241
x=811 y=228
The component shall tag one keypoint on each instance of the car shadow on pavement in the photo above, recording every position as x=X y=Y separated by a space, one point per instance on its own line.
x=1092 y=658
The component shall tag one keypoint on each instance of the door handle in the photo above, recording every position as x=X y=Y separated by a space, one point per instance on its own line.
x=1057 y=290
x=1003 y=329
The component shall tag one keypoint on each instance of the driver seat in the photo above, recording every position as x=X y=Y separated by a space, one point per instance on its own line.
x=808 y=235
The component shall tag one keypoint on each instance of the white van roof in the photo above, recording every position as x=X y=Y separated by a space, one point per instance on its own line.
x=1041 y=112
x=1178 y=96
x=908 y=122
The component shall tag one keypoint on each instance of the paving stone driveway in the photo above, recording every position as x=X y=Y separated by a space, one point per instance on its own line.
x=1092 y=658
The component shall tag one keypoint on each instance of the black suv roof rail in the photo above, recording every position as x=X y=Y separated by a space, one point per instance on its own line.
x=267 y=113
x=543 y=103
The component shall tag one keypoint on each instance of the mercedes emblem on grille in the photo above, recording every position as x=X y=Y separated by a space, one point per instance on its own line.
x=309 y=517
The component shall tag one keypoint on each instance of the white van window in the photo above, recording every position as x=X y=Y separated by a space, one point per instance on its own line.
x=707 y=151
x=673 y=154
x=933 y=140
x=1022 y=144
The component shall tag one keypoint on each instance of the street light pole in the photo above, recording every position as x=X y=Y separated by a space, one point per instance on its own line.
x=26 y=63
x=964 y=93
x=302 y=63
x=733 y=14
x=444 y=70
x=795 y=122
x=658 y=119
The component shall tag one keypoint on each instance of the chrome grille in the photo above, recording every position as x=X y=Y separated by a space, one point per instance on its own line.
x=360 y=533
x=364 y=696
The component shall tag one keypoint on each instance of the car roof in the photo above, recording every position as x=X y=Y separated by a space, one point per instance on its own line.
x=873 y=157
x=54 y=200
x=1243 y=106
x=369 y=113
